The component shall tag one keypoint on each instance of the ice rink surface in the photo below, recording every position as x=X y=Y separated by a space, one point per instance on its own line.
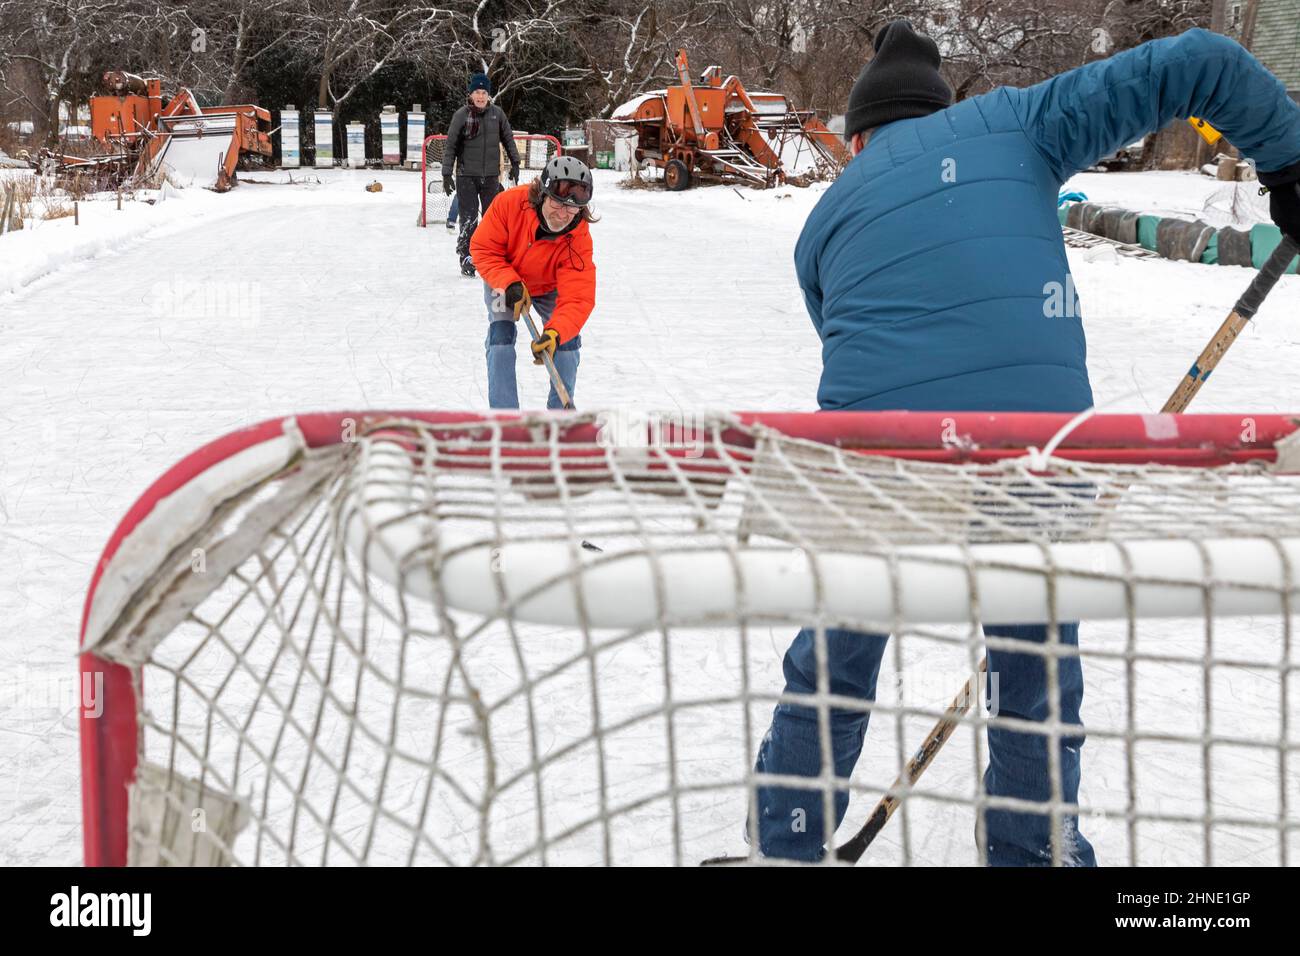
x=128 y=341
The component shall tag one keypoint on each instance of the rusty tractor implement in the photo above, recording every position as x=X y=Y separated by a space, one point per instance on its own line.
x=203 y=145
x=718 y=130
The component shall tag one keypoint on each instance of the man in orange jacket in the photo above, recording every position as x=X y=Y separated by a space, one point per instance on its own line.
x=533 y=250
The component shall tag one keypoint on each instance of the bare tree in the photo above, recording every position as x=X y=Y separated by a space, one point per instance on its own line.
x=526 y=44
x=560 y=58
x=632 y=44
x=222 y=41
x=54 y=42
x=52 y=54
x=989 y=43
x=1130 y=22
x=347 y=43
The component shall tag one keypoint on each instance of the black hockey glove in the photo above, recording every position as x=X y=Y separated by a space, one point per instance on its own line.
x=448 y=187
x=517 y=299
x=1284 y=207
x=514 y=175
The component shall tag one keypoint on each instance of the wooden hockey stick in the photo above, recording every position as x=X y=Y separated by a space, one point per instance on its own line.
x=1241 y=313
x=560 y=390
x=852 y=850
x=1205 y=363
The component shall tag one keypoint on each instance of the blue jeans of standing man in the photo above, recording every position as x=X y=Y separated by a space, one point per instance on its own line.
x=503 y=391
x=791 y=820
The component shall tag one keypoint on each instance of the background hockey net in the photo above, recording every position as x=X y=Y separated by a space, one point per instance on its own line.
x=390 y=638
x=534 y=152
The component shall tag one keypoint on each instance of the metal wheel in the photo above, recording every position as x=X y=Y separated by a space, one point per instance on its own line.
x=677 y=176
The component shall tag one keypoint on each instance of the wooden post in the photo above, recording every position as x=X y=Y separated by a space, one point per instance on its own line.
x=76 y=214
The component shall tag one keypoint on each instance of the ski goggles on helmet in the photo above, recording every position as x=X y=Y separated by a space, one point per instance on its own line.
x=569 y=192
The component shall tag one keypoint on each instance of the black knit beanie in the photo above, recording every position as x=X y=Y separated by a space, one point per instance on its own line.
x=901 y=81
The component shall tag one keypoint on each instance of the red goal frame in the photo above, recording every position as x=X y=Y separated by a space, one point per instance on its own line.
x=109 y=742
x=437 y=179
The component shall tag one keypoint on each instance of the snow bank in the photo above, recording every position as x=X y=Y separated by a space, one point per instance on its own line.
x=46 y=246
x=1176 y=195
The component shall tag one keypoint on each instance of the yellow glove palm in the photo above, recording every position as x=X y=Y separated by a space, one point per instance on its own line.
x=547 y=343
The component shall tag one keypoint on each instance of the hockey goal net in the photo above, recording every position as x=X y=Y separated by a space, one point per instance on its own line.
x=534 y=152
x=455 y=638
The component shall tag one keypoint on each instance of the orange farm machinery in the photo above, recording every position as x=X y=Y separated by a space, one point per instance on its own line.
x=718 y=130
x=201 y=145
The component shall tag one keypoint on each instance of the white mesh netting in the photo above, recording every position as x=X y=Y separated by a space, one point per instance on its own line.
x=477 y=645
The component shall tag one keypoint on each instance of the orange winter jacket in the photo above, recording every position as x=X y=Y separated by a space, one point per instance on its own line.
x=506 y=249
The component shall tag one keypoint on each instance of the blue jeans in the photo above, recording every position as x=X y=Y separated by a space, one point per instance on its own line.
x=503 y=391
x=791 y=821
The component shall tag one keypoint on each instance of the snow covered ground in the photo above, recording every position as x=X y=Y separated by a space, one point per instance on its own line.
x=129 y=340
x=1177 y=194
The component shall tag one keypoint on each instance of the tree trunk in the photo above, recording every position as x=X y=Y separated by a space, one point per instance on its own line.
x=326 y=68
x=52 y=122
x=237 y=64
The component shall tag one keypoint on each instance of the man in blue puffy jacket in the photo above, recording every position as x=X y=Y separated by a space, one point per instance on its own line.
x=927 y=268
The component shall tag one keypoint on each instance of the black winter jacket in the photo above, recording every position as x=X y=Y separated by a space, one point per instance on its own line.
x=480 y=155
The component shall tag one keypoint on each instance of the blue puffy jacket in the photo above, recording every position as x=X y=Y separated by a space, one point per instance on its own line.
x=934 y=268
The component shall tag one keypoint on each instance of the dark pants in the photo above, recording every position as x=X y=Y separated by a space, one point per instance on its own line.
x=473 y=196
x=791 y=821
